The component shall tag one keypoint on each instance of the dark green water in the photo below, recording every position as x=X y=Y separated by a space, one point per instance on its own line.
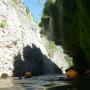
x=50 y=82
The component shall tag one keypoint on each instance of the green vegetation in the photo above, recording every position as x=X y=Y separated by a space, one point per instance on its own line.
x=52 y=45
x=3 y=24
x=52 y=48
x=15 y=1
x=69 y=60
x=27 y=10
x=71 y=19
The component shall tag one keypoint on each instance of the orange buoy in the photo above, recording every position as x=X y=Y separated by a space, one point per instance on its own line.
x=28 y=74
x=71 y=73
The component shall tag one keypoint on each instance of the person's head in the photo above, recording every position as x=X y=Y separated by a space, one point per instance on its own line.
x=71 y=73
x=28 y=74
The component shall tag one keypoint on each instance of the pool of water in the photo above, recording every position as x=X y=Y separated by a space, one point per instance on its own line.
x=49 y=82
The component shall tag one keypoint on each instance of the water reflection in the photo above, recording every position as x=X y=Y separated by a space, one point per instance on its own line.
x=5 y=83
x=34 y=83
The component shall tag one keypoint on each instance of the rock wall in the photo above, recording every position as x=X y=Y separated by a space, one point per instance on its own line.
x=56 y=55
x=18 y=31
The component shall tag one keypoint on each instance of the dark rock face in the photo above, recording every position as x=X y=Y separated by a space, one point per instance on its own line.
x=4 y=75
x=34 y=61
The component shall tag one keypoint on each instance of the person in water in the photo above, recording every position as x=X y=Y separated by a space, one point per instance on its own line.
x=28 y=74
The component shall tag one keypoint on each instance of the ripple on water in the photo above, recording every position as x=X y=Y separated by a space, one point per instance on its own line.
x=34 y=83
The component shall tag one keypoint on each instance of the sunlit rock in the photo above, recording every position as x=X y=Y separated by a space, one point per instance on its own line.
x=17 y=32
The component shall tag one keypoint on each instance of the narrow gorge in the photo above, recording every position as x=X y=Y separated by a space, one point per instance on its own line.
x=22 y=47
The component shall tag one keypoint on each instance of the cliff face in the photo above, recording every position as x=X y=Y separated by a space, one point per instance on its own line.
x=17 y=30
x=70 y=23
x=18 y=35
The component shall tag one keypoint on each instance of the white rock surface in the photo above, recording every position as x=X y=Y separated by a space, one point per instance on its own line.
x=19 y=32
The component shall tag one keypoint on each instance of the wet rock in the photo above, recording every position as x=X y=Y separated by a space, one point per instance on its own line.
x=4 y=75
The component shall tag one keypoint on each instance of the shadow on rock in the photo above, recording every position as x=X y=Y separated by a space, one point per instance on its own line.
x=35 y=62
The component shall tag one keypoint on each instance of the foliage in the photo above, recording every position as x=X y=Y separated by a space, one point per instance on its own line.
x=27 y=10
x=71 y=20
x=52 y=45
x=3 y=23
x=45 y=13
x=15 y=1
x=69 y=60
x=52 y=48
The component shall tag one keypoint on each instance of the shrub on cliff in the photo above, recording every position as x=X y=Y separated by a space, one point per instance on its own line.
x=3 y=23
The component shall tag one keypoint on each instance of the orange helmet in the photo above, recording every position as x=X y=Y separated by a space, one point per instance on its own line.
x=71 y=73
x=28 y=74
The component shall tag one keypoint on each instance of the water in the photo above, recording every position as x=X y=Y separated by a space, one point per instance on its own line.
x=34 y=83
